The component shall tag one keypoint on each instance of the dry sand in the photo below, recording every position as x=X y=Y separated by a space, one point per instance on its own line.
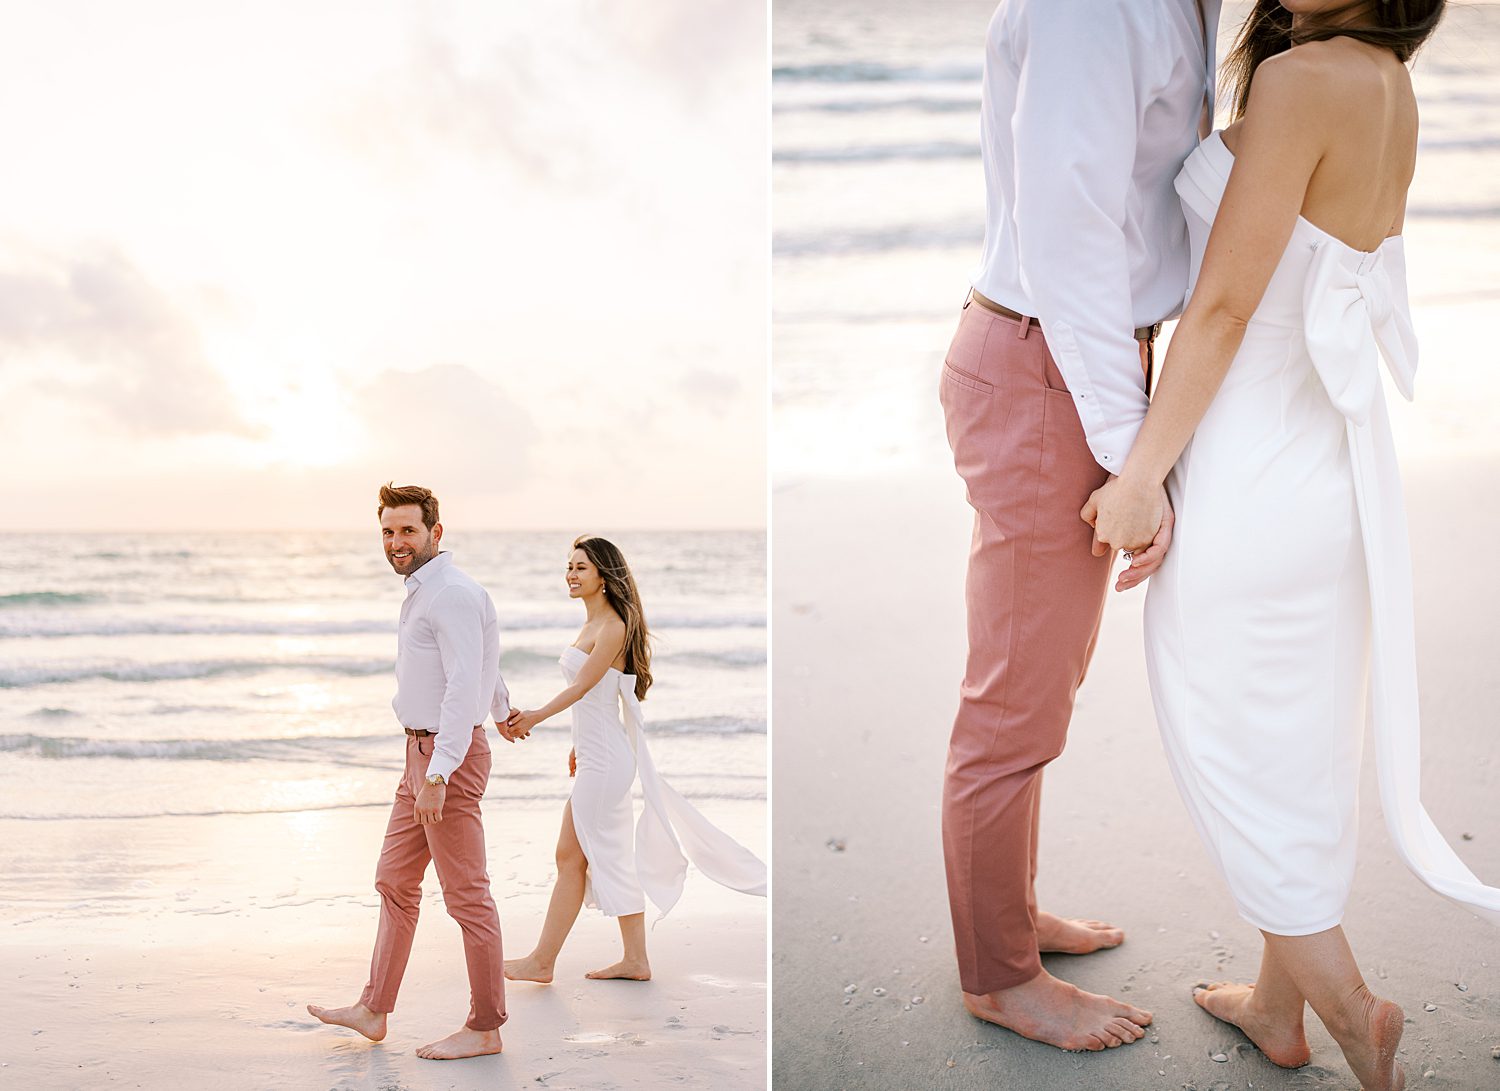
x=193 y=944
x=869 y=652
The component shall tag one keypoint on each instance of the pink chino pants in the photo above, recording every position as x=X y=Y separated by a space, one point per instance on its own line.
x=1035 y=594
x=456 y=846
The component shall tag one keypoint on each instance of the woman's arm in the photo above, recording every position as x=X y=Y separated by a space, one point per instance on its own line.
x=1279 y=145
x=606 y=650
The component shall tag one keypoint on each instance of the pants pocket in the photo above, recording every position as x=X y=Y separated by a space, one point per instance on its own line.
x=964 y=363
x=966 y=380
x=473 y=775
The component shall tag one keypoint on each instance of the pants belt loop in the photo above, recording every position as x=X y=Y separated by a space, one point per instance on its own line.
x=1024 y=328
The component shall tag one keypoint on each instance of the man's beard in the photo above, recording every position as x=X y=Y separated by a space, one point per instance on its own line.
x=419 y=557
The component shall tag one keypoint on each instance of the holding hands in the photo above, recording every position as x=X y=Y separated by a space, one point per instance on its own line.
x=1135 y=517
x=519 y=723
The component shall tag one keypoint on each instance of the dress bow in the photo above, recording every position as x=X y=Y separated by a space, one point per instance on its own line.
x=1352 y=313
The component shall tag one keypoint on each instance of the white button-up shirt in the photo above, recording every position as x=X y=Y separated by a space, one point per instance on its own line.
x=448 y=661
x=1089 y=109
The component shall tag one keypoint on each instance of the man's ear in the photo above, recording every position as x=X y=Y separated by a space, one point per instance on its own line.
x=437 y=533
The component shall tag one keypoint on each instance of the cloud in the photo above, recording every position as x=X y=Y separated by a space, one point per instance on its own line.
x=714 y=391
x=488 y=110
x=703 y=47
x=572 y=93
x=504 y=97
x=108 y=340
x=446 y=426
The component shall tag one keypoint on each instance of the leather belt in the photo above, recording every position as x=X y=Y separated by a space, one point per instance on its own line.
x=422 y=732
x=1147 y=334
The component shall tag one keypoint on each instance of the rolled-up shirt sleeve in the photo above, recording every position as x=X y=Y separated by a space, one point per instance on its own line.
x=1074 y=130
x=458 y=626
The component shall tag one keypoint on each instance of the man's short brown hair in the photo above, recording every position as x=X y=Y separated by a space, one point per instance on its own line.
x=392 y=496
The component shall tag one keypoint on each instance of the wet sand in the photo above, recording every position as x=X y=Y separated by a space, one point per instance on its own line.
x=869 y=652
x=172 y=952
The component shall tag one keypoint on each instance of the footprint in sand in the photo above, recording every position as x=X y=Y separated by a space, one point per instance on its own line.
x=598 y=1038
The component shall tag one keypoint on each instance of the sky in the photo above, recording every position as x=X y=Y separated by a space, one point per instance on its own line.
x=257 y=259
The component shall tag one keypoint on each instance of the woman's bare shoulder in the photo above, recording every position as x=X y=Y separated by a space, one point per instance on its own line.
x=1312 y=76
x=1328 y=76
x=1319 y=87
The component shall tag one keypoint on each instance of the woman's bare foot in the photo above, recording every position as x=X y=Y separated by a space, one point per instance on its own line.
x=1059 y=935
x=624 y=970
x=356 y=1017
x=528 y=969
x=462 y=1043
x=1283 y=1042
x=1369 y=1032
x=1047 y=1010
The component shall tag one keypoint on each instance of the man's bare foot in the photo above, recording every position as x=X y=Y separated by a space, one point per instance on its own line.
x=356 y=1017
x=462 y=1043
x=624 y=970
x=528 y=969
x=1047 y=1010
x=1282 y=1042
x=1369 y=1031
x=1058 y=935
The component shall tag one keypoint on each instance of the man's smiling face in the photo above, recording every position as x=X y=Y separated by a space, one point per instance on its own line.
x=408 y=543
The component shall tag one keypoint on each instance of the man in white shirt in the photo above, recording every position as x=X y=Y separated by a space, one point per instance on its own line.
x=1089 y=109
x=447 y=681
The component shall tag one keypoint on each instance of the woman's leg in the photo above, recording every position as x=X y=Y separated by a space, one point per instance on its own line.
x=562 y=910
x=1367 y=1028
x=633 y=967
x=1269 y=1011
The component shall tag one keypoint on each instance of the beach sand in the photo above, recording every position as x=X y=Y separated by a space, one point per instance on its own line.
x=174 y=952
x=869 y=643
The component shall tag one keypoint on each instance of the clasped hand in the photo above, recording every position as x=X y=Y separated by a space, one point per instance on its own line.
x=518 y=724
x=1133 y=517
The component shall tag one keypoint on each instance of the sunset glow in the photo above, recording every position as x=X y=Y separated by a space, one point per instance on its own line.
x=516 y=252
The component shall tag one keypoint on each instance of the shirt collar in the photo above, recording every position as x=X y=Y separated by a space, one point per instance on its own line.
x=431 y=568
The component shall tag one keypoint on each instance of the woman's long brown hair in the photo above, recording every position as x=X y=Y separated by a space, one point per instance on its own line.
x=1398 y=25
x=620 y=592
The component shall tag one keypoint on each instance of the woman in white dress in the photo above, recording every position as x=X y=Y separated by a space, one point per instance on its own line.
x=605 y=859
x=1284 y=604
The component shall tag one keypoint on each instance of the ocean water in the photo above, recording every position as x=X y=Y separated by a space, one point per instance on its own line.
x=216 y=674
x=878 y=208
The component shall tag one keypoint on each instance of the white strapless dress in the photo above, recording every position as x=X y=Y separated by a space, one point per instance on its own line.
x=629 y=860
x=1288 y=580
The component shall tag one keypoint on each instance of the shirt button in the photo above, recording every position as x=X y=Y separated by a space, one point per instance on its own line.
x=1104 y=457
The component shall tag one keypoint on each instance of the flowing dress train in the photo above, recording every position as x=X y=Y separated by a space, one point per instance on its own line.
x=626 y=866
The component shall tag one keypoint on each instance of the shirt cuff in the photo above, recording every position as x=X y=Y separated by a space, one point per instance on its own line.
x=443 y=764
x=1111 y=446
x=443 y=759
